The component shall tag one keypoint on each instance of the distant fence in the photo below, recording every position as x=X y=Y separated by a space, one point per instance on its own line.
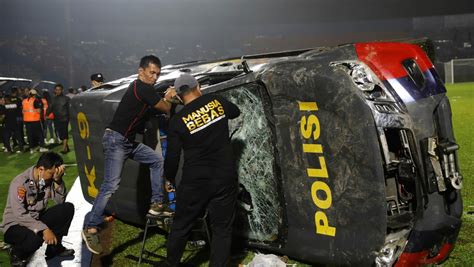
x=459 y=70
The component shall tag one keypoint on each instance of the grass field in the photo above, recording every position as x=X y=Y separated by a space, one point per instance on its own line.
x=462 y=102
x=125 y=246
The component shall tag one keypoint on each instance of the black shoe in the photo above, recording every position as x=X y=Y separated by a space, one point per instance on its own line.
x=162 y=264
x=58 y=252
x=15 y=260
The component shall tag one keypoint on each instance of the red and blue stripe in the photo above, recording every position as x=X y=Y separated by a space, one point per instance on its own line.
x=385 y=60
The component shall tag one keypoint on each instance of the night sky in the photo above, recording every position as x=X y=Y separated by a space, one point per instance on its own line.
x=180 y=30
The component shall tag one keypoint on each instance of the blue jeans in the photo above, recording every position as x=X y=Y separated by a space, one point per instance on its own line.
x=48 y=126
x=117 y=149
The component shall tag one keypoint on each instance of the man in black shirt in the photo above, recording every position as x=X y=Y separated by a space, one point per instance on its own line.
x=59 y=106
x=17 y=99
x=10 y=111
x=119 y=145
x=209 y=176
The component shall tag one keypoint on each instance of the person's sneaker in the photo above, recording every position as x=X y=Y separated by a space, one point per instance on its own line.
x=158 y=209
x=92 y=241
x=43 y=149
x=32 y=151
x=51 y=141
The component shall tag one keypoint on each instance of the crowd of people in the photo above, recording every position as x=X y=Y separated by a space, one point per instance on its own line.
x=208 y=183
x=37 y=113
x=27 y=222
x=28 y=116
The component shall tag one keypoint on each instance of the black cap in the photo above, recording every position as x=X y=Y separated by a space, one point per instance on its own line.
x=98 y=77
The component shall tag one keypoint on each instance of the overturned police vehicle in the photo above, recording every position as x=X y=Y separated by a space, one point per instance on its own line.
x=345 y=155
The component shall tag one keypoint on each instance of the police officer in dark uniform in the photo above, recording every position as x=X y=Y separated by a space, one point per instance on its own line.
x=209 y=176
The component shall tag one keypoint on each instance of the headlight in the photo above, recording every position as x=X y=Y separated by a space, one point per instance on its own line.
x=362 y=78
x=361 y=75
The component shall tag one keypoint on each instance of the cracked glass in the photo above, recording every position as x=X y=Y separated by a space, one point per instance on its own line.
x=254 y=153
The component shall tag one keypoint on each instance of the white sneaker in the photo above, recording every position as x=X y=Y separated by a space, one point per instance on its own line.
x=43 y=149
x=51 y=141
x=32 y=151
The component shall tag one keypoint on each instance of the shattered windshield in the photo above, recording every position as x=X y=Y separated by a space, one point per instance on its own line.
x=252 y=141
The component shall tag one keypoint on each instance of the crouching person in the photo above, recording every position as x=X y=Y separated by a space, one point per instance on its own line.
x=26 y=221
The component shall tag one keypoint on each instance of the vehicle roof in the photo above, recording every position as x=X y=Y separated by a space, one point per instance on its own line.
x=229 y=67
x=6 y=83
x=50 y=82
x=45 y=85
x=232 y=67
x=14 y=79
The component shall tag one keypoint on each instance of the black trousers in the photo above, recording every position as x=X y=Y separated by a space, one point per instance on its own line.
x=191 y=203
x=34 y=131
x=12 y=131
x=61 y=129
x=25 y=242
x=21 y=129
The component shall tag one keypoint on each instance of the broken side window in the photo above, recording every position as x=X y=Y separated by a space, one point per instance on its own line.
x=259 y=215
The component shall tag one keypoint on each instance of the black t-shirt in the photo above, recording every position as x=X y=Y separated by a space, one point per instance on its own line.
x=10 y=112
x=201 y=130
x=129 y=116
x=18 y=102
